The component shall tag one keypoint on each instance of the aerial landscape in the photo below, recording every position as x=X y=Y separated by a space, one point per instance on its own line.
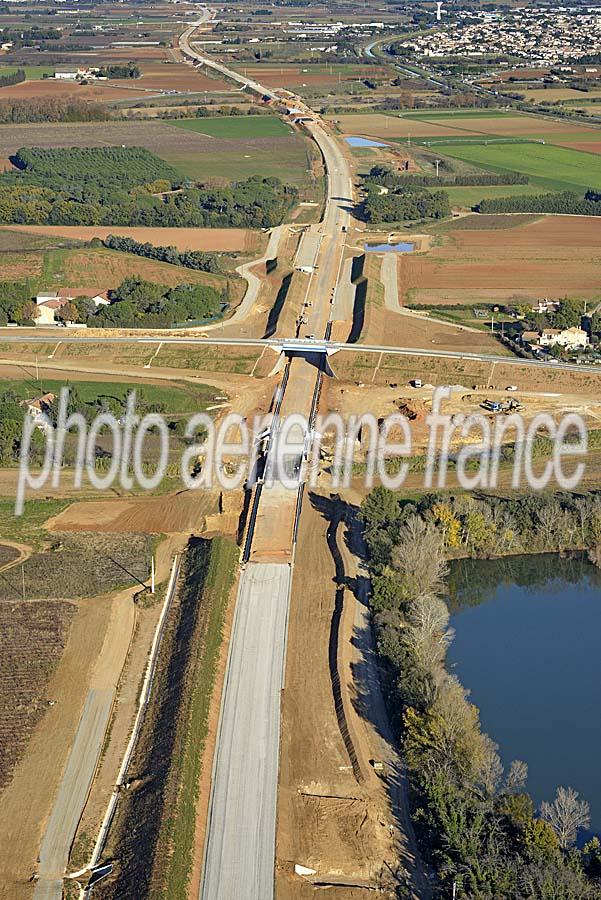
x=300 y=450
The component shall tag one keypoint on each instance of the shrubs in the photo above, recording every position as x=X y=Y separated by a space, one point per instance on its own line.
x=476 y=823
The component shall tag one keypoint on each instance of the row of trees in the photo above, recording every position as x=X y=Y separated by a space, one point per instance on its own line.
x=387 y=177
x=476 y=823
x=49 y=109
x=564 y=202
x=191 y=259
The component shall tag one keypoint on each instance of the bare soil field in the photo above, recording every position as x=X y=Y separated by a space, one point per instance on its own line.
x=514 y=125
x=165 y=76
x=395 y=371
x=289 y=77
x=382 y=126
x=585 y=146
x=550 y=256
x=53 y=88
x=219 y=239
x=183 y=512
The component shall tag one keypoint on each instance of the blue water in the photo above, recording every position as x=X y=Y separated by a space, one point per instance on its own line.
x=401 y=247
x=526 y=646
x=363 y=142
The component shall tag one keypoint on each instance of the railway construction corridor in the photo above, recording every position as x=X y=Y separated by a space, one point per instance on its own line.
x=239 y=859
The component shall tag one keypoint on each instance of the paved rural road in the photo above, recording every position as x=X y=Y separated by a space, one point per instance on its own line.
x=72 y=793
x=239 y=853
x=8 y=336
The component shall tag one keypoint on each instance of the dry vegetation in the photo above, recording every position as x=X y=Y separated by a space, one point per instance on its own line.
x=81 y=565
x=33 y=639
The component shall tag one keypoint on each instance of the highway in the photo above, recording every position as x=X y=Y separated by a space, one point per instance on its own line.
x=239 y=857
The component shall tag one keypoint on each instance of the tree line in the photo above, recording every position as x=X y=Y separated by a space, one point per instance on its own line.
x=31 y=109
x=12 y=78
x=191 y=259
x=387 y=177
x=120 y=70
x=564 y=202
x=476 y=823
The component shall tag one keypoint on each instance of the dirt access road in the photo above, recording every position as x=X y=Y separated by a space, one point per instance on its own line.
x=335 y=813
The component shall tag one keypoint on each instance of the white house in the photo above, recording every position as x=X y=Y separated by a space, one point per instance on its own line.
x=571 y=338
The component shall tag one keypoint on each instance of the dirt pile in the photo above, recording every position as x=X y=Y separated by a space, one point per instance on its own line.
x=413 y=409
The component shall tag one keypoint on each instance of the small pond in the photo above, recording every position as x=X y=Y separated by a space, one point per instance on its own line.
x=363 y=142
x=401 y=247
x=526 y=645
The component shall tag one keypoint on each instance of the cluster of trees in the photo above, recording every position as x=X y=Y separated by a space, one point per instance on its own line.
x=191 y=259
x=14 y=299
x=143 y=304
x=387 y=177
x=12 y=78
x=89 y=171
x=565 y=202
x=120 y=70
x=23 y=37
x=404 y=202
x=50 y=109
x=130 y=186
x=476 y=822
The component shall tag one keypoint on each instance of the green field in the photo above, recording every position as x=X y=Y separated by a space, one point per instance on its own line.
x=470 y=196
x=175 y=399
x=234 y=127
x=443 y=115
x=550 y=167
x=32 y=73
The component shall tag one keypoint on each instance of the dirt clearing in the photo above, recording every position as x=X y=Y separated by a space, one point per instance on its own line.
x=219 y=239
x=327 y=821
x=183 y=512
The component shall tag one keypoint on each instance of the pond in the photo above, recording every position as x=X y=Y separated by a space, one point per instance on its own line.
x=527 y=637
x=401 y=247
x=363 y=142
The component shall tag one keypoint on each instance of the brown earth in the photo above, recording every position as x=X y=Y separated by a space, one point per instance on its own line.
x=326 y=819
x=550 y=256
x=383 y=126
x=27 y=801
x=183 y=512
x=585 y=146
x=220 y=239
x=51 y=88
x=167 y=76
